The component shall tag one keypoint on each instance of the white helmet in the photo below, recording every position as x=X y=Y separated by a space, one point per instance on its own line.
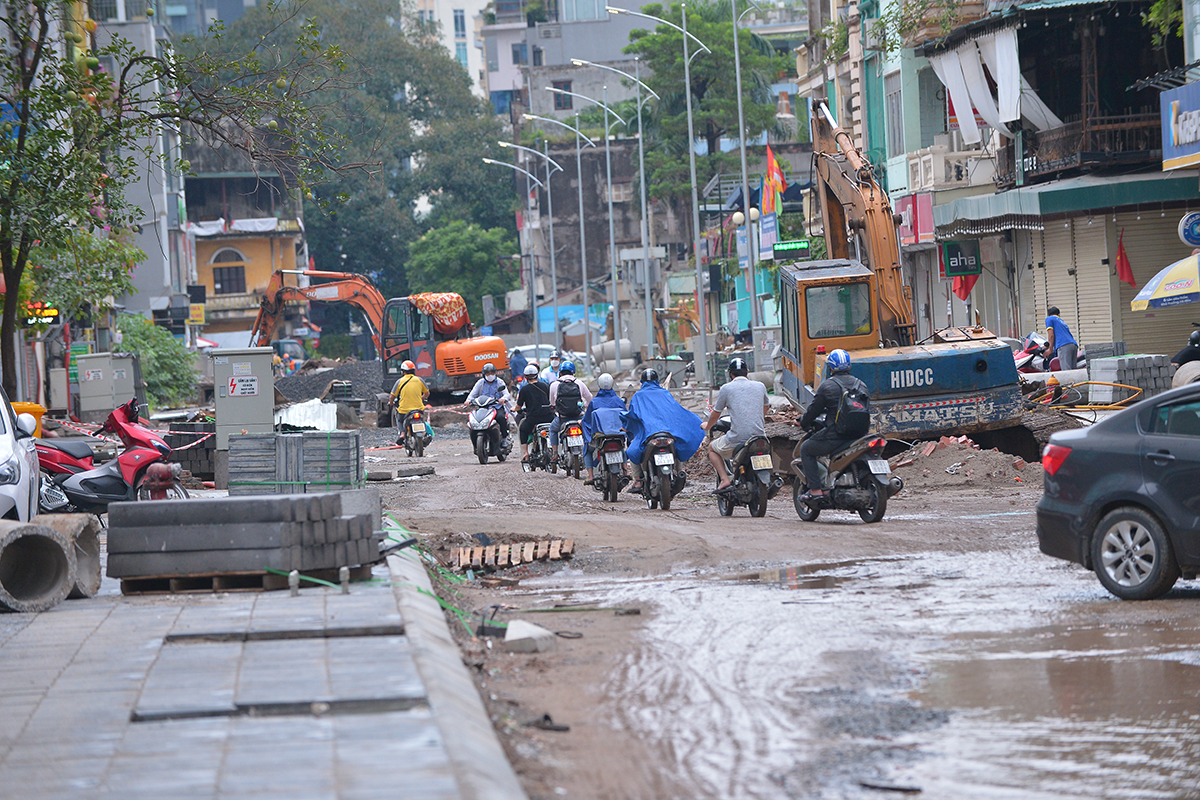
x=605 y=381
x=531 y=371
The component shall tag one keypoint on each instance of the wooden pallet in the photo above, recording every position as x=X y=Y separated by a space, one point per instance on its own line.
x=231 y=581
x=498 y=556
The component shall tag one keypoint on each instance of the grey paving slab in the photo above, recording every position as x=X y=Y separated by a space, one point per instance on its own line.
x=200 y=676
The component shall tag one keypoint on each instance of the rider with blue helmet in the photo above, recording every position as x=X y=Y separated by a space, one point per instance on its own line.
x=830 y=439
x=568 y=397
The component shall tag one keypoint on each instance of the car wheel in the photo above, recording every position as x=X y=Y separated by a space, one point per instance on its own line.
x=1132 y=555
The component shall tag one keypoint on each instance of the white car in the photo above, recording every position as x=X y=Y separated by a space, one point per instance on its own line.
x=18 y=464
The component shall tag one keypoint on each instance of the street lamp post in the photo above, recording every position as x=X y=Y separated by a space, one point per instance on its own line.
x=701 y=311
x=582 y=235
x=737 y=69
x=529 y=176
x=636 y=78
x=612 y=236
x=550 y=209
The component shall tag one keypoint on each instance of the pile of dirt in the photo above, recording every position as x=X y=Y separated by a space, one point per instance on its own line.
x=366 y=379
x=958 y=462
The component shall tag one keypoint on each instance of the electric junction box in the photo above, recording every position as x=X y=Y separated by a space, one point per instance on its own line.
x=244 y=395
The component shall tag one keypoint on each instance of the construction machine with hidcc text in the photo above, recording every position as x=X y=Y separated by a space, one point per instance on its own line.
x=957 y=381
x=431 y=329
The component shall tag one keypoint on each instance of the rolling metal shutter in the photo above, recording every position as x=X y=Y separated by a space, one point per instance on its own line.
x=1094 y=287
x=1151 y=244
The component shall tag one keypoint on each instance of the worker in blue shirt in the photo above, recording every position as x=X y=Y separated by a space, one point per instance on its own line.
x=1061 y=342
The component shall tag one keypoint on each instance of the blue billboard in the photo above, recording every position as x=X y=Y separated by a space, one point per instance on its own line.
x=1180 y=109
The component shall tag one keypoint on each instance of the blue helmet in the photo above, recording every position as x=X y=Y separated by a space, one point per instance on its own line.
x=838 y=361
x=566 y=368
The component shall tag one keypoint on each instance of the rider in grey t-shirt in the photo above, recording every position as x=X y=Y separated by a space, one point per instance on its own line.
x=746 y=401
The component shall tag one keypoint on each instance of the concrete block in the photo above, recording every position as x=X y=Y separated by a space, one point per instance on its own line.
x=368 y=551
x=415 y=471
x=197 y=562
x=525 y=637
x=185 y=538
x=210 y=510
x=37 y=566
x=363 y=501
x=339 y=554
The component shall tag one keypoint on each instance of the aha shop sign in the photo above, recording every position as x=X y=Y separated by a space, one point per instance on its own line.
x=961 y=259
x=1180 y=110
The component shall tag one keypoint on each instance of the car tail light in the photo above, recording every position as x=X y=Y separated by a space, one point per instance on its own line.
x=1053 y=457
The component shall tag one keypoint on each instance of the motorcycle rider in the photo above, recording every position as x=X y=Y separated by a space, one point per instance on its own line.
x=409 y=393
x=828 y=440
x=550 y=373
x=605 y=397
x=568 y=398
x=746 y=401
x=490 y=385
x=534 y=399
x=516 y=366
x=653 y=409
x=1189 y=353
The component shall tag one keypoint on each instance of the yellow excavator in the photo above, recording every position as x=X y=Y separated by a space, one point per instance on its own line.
x=959 y=381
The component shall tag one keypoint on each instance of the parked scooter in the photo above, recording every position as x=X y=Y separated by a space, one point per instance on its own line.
x=570 y=447
x=608 y=454
x=1031 y=358
x=750 y=471
x=139 y=472
x=662 y=475
x=415 y=433
x=857 y=478
x=484 y=426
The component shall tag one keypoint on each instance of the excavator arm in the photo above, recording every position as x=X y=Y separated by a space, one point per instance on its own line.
x=344 y=287
x=854 y=210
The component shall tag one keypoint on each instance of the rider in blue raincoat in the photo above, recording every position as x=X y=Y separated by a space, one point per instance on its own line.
x=653 y=409
x=603 y=415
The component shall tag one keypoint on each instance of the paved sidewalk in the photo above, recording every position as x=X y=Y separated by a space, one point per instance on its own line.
x=236 y=695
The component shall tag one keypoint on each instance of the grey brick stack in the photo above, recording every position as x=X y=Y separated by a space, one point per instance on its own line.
x=242 y=534
x=199 y=460
x=295 y=463
x=1150 y=373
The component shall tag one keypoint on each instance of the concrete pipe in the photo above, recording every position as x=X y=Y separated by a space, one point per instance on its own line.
x=37 y=567
x=83 y=531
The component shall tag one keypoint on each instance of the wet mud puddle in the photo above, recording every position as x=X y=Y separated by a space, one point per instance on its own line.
x=1003 y=675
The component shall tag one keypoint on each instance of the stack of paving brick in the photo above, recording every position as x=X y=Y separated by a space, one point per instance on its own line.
x=199 y=460
x=1150 y=373
x=295 y=463
x=243 y=534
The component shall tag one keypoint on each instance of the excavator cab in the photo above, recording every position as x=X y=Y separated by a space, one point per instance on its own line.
x=407 y=335
x=447 y=357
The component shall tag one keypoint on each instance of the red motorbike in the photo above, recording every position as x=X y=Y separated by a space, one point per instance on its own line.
x=1032 y=357
x=71 y=481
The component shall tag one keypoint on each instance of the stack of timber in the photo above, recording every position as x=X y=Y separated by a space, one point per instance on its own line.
x=295 y=463
x=218 y=536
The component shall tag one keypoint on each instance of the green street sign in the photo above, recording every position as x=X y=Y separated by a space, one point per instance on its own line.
x=961 y=259
x=797 y=248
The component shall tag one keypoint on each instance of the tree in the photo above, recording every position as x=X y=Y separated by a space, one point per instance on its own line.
x=464 y=258
x=83 y=269
x=416 y=113
x=75 y=133
x=714 y=93
x=166 y=363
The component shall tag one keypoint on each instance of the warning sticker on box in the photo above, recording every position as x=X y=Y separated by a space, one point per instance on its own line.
x=93 y=375
x=119 y=375
x=241 y=368
x=243 y=386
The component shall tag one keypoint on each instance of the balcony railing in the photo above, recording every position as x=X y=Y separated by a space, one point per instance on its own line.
x=1128 y=139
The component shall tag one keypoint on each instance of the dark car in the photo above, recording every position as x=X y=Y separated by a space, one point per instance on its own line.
x=1122 y=497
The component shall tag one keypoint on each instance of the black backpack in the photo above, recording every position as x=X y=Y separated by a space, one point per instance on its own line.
x=568 y=399
x=853 y=415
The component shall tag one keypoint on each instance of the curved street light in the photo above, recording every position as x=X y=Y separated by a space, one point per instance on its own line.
x=668 y=23
x=755 y=319
x=550 y=210
x=538 y=153
x=605 y=106
x=514 y=166
x=645 y=223
x=560 y=123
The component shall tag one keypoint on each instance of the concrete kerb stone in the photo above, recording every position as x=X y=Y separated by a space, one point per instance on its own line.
x=481 y=769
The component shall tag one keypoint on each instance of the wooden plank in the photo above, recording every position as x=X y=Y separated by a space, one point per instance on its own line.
x=502 y=556
x=489 y=555
x=514 y=555
x=527 y=555
x=568 y=548
x=543 y=549
x=454 y=557
x=556 y=550
x=476 y=558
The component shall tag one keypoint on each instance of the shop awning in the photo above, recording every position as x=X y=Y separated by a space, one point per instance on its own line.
x=1024 y=208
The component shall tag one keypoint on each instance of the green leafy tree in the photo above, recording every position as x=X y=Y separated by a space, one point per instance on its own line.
x=83 y=111
x=464 y=258
x=84 y=269
x=166 y=363
x=714 y=93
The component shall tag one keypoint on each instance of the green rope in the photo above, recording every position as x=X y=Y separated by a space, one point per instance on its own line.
x=306 y=578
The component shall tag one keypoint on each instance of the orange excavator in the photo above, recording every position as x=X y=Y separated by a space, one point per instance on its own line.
x=431 y=329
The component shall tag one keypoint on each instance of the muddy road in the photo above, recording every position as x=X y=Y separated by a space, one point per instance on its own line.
x=935 y=652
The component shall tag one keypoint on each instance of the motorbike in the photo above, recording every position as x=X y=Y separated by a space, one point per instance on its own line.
x=570 y=436
x=70 y=481
x=750 y=471
x=540 y=456
x=662 y=476
x=484 y=426
x=1031 y=357
x=857 y=477
x=414 y=433
x=608 y=454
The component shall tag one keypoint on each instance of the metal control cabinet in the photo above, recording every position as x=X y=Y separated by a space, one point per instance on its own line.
x=107 y=380
x=245 y=391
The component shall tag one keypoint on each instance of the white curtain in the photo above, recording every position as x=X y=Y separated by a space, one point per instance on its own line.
x=1015 y=97
x=949 y=72
x=977 y=85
